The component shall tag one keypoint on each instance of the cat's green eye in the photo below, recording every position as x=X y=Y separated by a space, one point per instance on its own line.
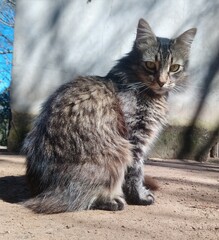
x=174 y=67
x=151 y=66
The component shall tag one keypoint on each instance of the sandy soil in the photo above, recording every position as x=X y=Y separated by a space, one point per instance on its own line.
x=187 y=207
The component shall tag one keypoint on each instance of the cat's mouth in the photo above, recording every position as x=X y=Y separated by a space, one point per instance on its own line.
x=160 y=90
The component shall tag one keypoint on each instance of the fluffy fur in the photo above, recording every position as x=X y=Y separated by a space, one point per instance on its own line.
x=87 y=146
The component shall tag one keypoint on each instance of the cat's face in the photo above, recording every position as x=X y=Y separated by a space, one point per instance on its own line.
x=163 y=61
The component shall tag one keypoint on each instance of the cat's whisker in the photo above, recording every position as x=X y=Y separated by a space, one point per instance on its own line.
x=145 y=89
x=176 y=90
x=132 y=85
x=135 y=86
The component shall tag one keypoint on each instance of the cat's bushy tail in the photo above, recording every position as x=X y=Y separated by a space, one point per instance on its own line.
x=151 y=183
x=58 y=200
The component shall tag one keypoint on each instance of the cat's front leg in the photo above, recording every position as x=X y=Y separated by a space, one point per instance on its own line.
x=134 y=189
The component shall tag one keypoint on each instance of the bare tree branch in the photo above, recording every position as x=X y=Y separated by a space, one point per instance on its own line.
x=6 y=23
x=7 y=12
x=6 y=52
x=12 y=2
x=6 y=38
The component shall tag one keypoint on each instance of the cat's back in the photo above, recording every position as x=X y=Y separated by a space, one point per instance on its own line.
x=80 y=118
x=86 y=103
x=82 y=90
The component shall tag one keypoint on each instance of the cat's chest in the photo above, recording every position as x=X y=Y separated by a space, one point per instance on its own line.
x=143 y=114
x=144 y=120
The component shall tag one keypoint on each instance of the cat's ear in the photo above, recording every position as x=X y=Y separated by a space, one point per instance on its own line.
x=145 y=36
x=186 y=38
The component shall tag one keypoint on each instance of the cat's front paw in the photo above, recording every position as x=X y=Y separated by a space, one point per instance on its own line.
x=120 y=203
x=141 y=197
x=116 y=204
x=146 y=197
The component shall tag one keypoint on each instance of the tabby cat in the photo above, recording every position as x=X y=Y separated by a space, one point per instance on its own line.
x=87 y=147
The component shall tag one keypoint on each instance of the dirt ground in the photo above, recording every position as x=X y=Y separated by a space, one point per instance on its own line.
x=187 y=207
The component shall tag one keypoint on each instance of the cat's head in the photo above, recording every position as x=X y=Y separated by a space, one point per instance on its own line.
x=163 y=62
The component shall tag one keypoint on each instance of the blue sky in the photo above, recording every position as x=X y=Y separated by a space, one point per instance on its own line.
x=6 y=38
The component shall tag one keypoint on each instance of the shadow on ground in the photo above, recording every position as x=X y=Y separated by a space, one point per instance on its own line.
x=186 y=164
x=14 y=189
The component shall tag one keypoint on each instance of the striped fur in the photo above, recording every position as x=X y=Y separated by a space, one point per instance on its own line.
x=93 y=134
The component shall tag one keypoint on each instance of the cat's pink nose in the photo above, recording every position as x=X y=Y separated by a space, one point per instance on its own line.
x=160 y=83
x=162 y=79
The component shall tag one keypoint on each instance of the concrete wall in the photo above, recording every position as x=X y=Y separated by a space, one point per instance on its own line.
x=58 y=40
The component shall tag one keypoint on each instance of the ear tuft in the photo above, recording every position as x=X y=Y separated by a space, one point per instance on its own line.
x=187 y=37
x=145 y=34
